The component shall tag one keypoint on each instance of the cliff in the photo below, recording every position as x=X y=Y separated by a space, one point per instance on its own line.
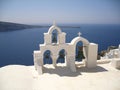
x=8 y=26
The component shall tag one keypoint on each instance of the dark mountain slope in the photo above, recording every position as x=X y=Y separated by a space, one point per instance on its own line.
x=8 y=26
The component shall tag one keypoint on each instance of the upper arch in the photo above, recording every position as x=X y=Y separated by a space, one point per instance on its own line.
x=54 y=27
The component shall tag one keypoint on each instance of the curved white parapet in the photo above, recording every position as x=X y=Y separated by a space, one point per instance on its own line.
x=77 y=39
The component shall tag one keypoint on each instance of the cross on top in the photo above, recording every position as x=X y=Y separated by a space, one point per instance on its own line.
x=79 y=34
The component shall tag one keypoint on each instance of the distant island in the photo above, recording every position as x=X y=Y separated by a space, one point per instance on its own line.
x=10 y=26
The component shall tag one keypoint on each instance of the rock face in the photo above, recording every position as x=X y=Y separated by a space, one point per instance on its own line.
x=112 y=47
x=111 y=52
x=103 y=52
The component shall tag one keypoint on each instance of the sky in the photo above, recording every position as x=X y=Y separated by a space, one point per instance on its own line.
x=61 y=11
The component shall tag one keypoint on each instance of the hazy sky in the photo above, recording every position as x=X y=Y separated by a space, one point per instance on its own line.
x=62 y=11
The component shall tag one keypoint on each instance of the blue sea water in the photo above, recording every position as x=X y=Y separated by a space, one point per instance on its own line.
x=17 y=47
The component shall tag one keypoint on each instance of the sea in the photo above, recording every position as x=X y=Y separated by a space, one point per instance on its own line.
x=16 y=47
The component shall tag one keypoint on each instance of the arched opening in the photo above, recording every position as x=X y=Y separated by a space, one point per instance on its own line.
x=61 y=58
x=47 y=57
x=79 y=54
x=83 y=51
x=55 y=36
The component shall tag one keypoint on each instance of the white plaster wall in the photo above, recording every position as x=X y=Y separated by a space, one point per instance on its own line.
x=92 y=55
x=38 y=61
x=62 y=38
x=72 y=63
x=47 y=38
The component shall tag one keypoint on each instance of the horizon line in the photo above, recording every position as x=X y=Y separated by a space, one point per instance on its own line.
x=58 y=23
